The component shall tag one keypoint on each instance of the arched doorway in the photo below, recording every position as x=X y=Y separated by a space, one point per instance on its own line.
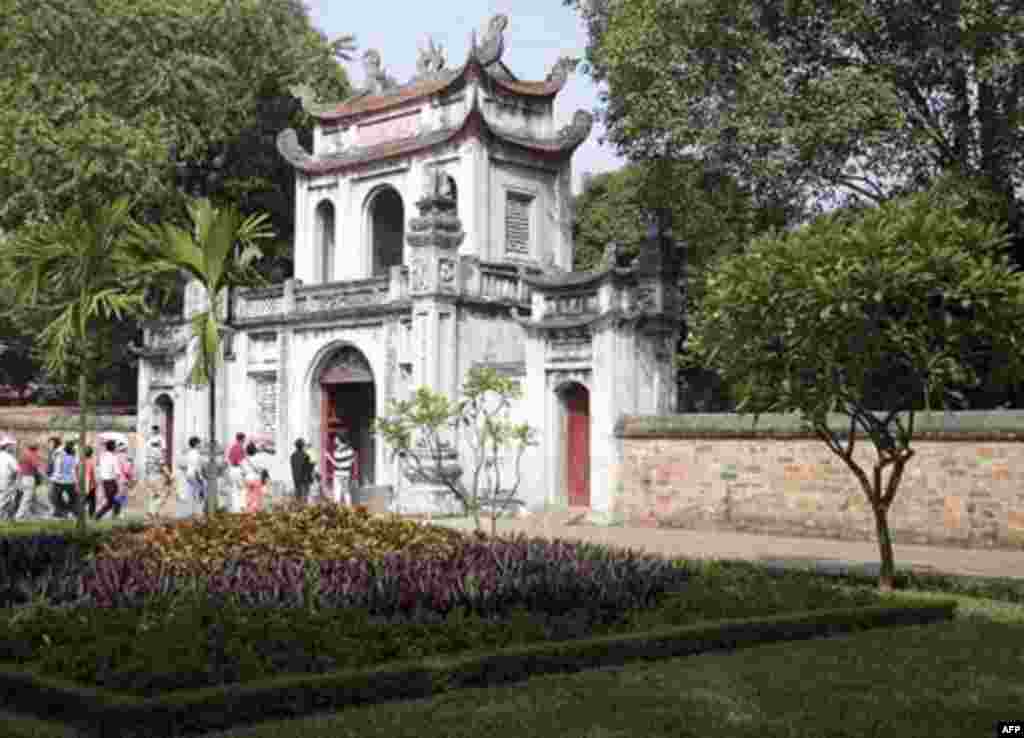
x=387 y=230
x=324 y=241
x=575 y=400
x=347 y=399
x=164 y=418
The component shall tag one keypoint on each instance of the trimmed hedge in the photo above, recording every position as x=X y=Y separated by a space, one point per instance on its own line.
x=101 y=714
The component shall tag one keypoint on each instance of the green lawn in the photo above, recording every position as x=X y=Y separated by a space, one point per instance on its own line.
x=953 y=679
x=949 y=680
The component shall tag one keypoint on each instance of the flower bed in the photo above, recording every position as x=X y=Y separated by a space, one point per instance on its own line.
x=242 y=597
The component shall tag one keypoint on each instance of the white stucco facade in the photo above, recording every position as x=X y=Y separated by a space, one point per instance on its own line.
x=433 y=234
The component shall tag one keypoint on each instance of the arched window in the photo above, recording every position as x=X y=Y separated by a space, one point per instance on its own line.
x=324 y=241
x=387 y=230
x=454 y=190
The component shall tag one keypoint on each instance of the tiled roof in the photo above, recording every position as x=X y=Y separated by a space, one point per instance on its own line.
x=565 y=141
x=416 y=89
x=371 y=103
x=541 y=88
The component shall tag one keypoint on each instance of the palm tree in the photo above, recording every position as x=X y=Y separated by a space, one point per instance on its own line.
x=77 y=279
x=218 y=252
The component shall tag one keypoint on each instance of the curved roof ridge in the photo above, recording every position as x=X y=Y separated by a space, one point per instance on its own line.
x=566 y=139
x=485 y=56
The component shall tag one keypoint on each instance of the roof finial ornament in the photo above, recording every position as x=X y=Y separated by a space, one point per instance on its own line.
x=377 y=80
x=562 y=69
x=430 y=60
x=493 y=43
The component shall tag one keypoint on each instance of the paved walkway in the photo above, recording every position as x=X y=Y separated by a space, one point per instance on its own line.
x=824 y=555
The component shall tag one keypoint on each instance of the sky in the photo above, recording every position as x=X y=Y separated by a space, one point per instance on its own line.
x=539 y=31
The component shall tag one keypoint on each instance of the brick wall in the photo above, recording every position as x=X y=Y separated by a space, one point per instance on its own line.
x=963 y=487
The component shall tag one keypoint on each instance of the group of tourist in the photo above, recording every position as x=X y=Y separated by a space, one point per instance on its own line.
x=22 y=473
x=248 y=477
x=109 y=478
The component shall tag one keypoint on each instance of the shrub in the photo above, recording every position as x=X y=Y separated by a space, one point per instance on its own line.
x=320 y=532
x=486 y=577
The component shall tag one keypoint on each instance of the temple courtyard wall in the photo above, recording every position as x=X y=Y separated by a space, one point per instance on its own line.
x=963 y=487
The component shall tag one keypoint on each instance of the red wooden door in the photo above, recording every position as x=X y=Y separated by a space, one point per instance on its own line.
x=326 y=438
x=577 y=408
x=169 y=435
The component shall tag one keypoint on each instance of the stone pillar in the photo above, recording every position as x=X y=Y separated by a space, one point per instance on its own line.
x=433 y=240
x=282 y=428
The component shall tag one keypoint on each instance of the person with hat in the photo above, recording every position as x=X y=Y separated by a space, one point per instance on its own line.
x=302 y=471
x=10 y=494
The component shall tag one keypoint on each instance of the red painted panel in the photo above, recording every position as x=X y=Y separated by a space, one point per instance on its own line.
x=577 y=406
x=169 y=436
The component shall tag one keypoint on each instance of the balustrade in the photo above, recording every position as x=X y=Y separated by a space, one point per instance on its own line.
x=334 y=295
x=260 y=303
x=167 y=335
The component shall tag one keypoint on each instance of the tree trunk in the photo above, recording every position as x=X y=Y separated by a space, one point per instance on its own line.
x=211 y=468
x=887 y=572
x=83 y=396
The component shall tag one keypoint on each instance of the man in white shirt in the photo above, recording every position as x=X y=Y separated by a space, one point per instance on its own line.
x=194 y=478
x=10 y=492
x=154 y=453
x=106 y=477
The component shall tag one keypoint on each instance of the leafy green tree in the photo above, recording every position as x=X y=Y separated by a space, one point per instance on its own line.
x=422 y=432
x=830 y=102
x=709 y=212
x=94 y=92
x=813 y=320
x=206 y=252
x=710 y=216
x=77 y=278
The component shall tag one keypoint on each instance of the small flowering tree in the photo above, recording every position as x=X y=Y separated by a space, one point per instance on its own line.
x=422 y=432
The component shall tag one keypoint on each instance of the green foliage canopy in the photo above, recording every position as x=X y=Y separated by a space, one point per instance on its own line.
x=866 y=314
x=835 y=101
x=710 y=213
x=95 y=91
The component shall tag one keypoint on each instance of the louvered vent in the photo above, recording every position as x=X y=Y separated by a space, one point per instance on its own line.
x=517 y=222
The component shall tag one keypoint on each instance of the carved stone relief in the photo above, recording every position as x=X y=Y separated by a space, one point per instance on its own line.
x=173 y=337
x=261 y=307
x=418 y=275
x=447 y=272
x=162 y=374
x=647 y=298
x=347 y=365
x=571 y=304
x=569 y=345
x=264 y=392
